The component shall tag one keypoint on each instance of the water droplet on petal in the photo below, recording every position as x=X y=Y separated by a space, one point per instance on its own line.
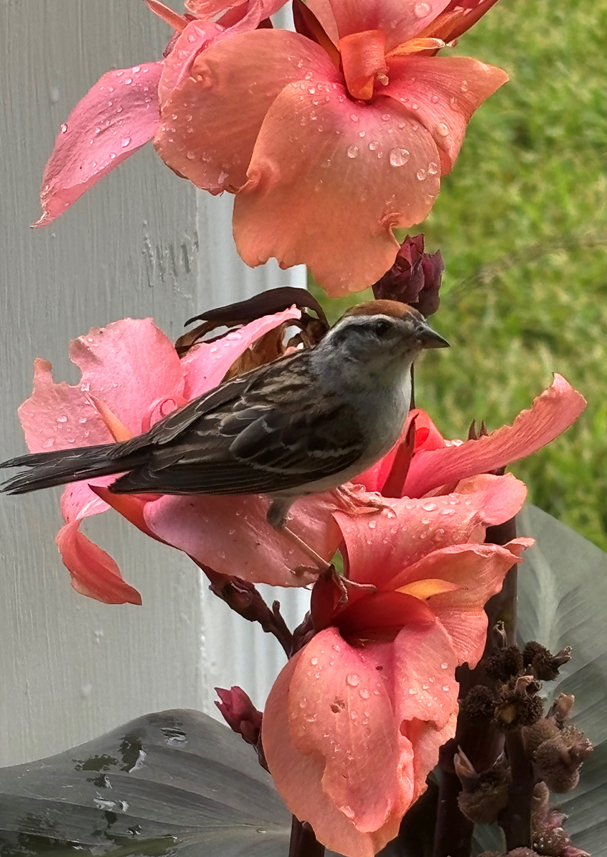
x=432 y=168
x=429 y=507
x=442 y=129
x=313 y=661
x=50 y=441
x=422 y=9
x=373 y=145
x=444 y=666
x=125 y=142
x=62 y=419
x=421 y=174
x=191 y=156
x=364 y=693
x=64 y=127
x=464 y=87
x=353 y=679
x=352 y=151
x=399 y=156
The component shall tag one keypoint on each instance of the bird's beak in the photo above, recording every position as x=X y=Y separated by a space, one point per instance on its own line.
x=429 y=338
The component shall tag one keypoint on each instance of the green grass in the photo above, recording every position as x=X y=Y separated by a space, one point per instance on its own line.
x=522 y=225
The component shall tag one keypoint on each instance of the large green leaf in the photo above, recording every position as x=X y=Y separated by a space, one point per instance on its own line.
x=174 y=783
x=563 y=602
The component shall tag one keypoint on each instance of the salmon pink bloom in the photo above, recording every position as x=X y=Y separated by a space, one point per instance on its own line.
x=354 y=722
x=330 y=137
x=131 y=377
x=121 y=112
x=424 y=462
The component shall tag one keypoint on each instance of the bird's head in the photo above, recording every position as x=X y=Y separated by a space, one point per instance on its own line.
x=383 y=335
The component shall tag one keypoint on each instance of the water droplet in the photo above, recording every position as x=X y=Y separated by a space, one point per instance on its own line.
x=348 y=811
x=62 y=419
x=64 y=128
x=442 y=129
x=421 y=174
x=353 y=117
x=464 y=87
x=399 y=156
x=432 y=168
x=336 y=648
x=373 y=145
x=434 y=99
x=191 y=156
x=136 y=69
x=448 y=512
x=311 y=718
x=422 y=9
x=125 y=142
x=352 y=151
x=364 y=693
x=313 y=661
x=372 y=524
x=444 y=666
x=128 y=81
x=429 y=507
x=353 y=679
x=445 y=687
x=50 y=441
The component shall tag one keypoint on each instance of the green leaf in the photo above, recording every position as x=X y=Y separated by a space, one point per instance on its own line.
x=563 y=602
x=175 y=783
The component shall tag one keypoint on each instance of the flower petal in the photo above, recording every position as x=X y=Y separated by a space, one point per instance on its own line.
x=399 y=21
x=117 y=116
x=329 y=180
x=232 y=535
x=443 y=93
x=211 y=121
x=92 y=570
x=380 y=546
x=130 y=365
x=206 y=365
x=478 y=571
x=551 y=413
x=298 y=777
x=57 y=416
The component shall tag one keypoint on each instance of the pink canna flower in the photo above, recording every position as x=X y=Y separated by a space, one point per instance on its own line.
x=423 y=462
x=131 y=377
x=121 y=112
x=354 y=722
x=330 y=137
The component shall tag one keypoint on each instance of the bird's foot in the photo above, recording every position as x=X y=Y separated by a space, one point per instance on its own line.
x=345 y=586
x=356 y=500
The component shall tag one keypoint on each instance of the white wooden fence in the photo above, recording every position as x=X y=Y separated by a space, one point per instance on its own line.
x=142 y=242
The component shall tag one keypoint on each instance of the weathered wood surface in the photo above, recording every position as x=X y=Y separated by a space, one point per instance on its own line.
x=140 y=243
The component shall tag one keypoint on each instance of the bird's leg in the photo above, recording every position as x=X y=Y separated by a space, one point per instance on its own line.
x=277 y=518
x=316 y=558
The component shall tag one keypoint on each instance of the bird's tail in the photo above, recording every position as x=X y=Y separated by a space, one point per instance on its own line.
x=47 y=469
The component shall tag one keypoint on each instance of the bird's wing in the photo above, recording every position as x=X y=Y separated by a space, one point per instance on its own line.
x=249 y=436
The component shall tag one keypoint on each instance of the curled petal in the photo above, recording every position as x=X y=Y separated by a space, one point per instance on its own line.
x=399 y=21
x=329 y=180
x=551 y=413
x=211 y=120
x=443 y=93
x=478 y=571
x=380 y=546
x=117 y=116
x=195 y=38
x=256 y=10
x=232 y=535
x=92 y=570
x=206 y=364
x=458 y=17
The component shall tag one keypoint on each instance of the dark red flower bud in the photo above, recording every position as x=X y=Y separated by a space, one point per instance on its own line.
x=239 y=713
x=414 y=278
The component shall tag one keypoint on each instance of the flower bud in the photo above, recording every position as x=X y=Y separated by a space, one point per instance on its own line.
x=414 y=278
x=239 y=713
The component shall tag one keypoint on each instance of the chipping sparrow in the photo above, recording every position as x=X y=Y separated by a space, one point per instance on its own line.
x=303 y=424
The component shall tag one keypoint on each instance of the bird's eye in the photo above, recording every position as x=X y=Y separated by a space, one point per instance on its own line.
x=380 y=327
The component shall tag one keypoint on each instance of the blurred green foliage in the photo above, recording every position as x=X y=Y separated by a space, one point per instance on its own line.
x=522 y=225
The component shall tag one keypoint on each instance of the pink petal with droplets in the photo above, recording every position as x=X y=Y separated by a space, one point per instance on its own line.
x=254 y=11
x=130 y=365
x=93 y=572
x=379 y=546
x=443 y=93
x=232 y=536
x=205 y=366
x=335 y=732
x=211 y=121
x=551 y=413
x=399 y=20
x=329 y=181
x=117 y=116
